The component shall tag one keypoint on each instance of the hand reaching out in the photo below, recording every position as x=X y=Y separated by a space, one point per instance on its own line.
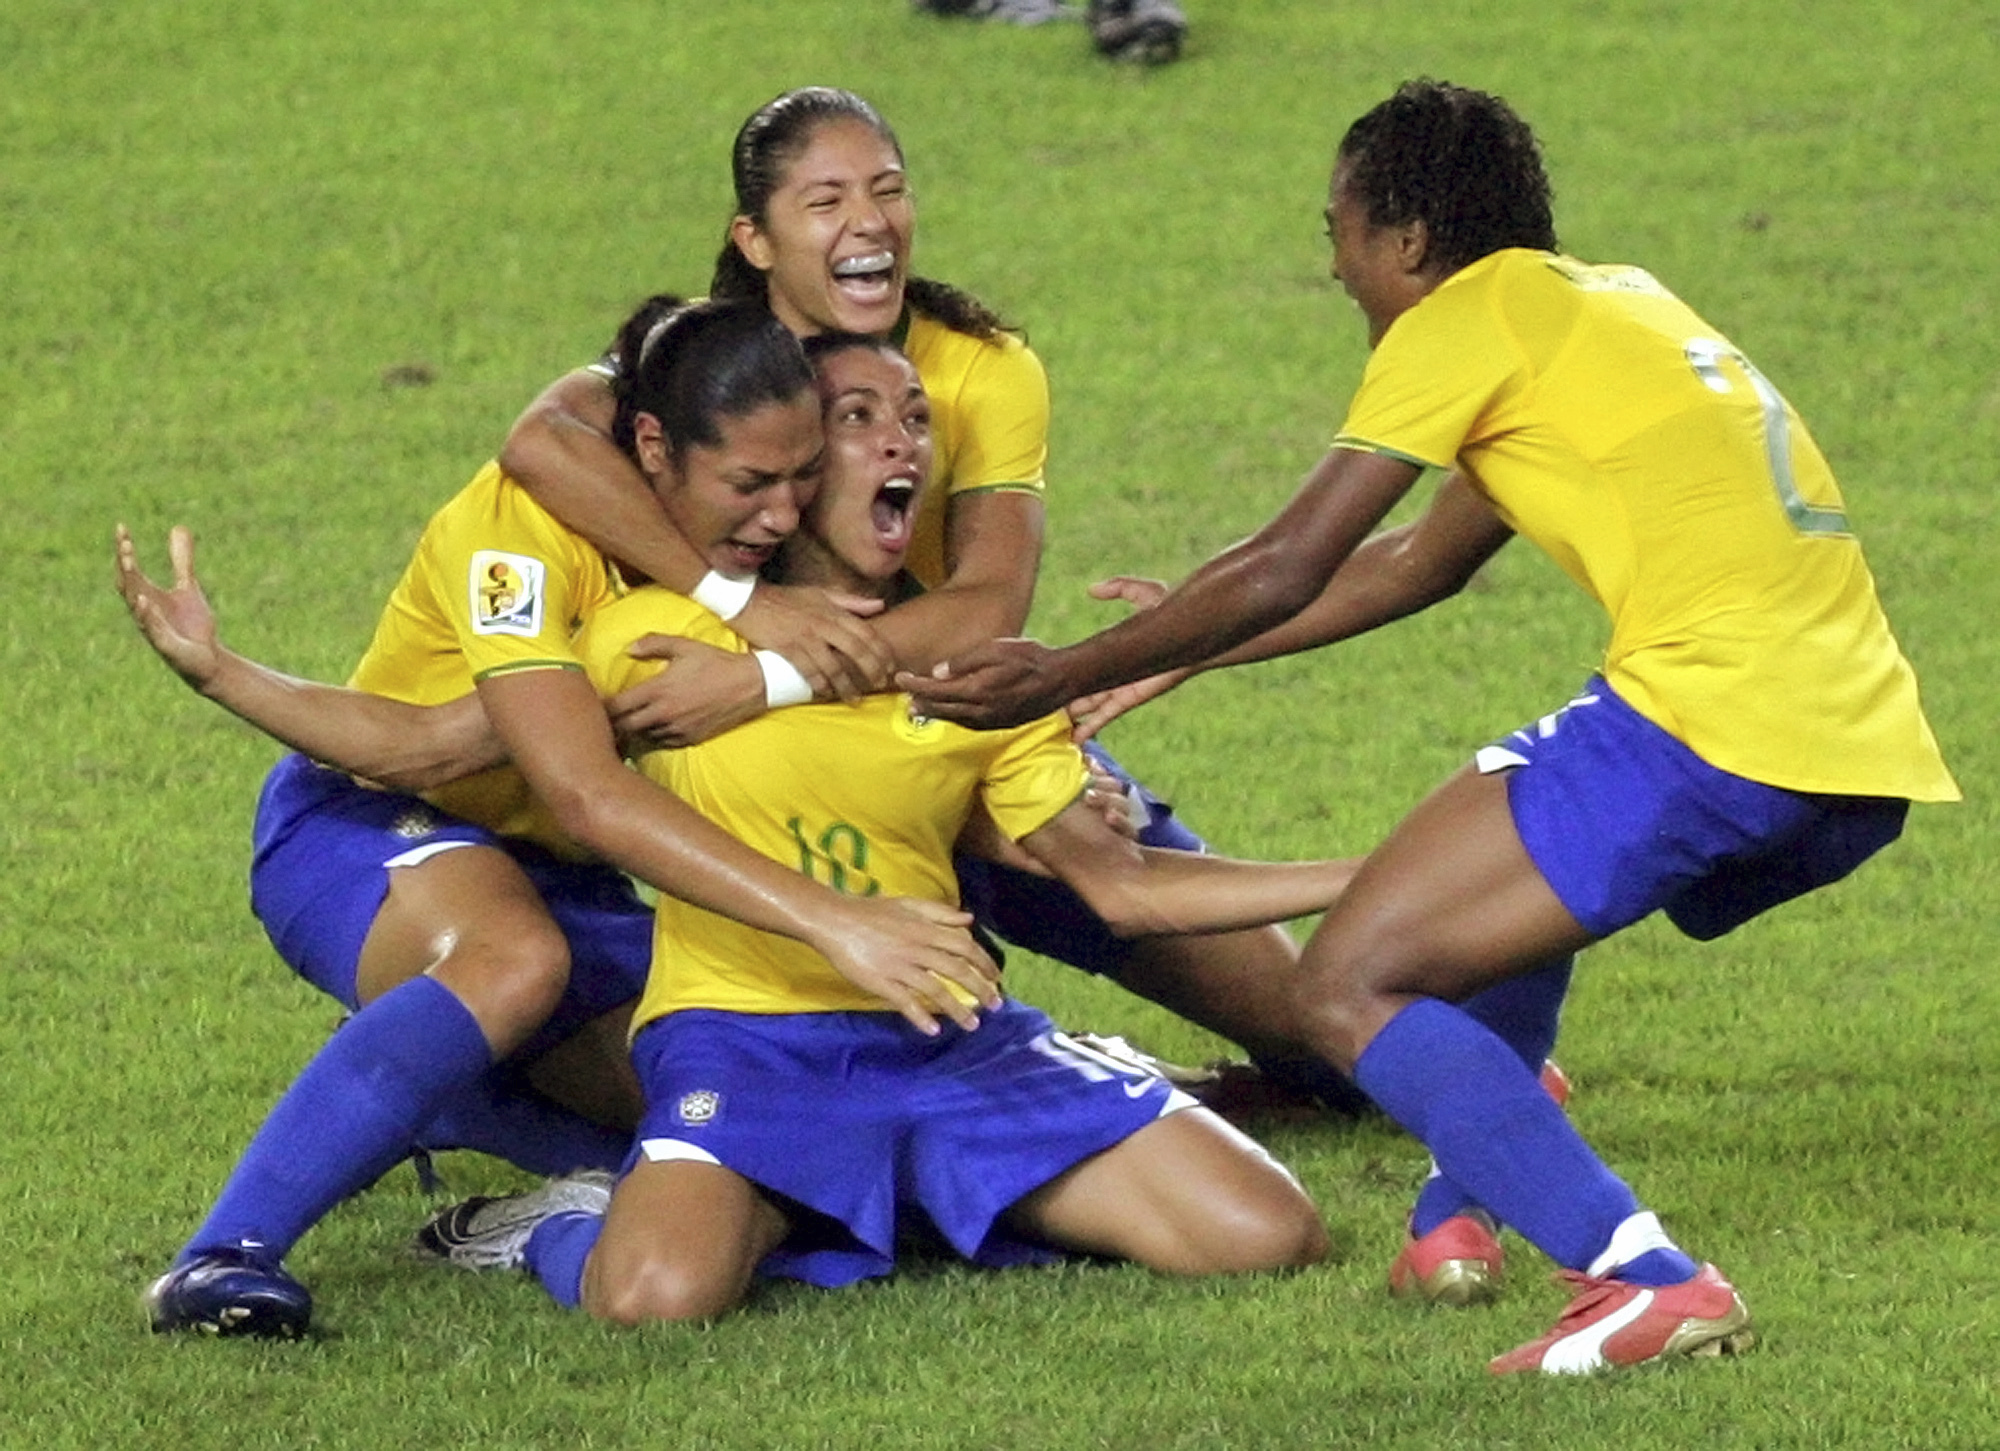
x=1092 y=713
x=1140 y=594
x=177 y=622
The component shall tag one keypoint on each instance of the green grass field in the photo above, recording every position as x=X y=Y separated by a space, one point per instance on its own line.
x=224 y=228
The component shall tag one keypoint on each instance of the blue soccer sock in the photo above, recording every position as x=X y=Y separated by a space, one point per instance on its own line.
x=349 y=1117
x=557 y=1250
x=1494 y=1131
x=1525 y=1013
x=500 y=1116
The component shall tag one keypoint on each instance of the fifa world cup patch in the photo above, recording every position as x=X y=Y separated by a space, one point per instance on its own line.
x=506 y=593
x=698 y=1107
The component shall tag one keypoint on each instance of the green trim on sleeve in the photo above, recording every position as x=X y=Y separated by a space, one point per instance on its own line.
x=1362 y=445
x=517 y=667
x=1005 y=486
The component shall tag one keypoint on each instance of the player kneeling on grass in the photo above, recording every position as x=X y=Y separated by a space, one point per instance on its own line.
x=793 y=1120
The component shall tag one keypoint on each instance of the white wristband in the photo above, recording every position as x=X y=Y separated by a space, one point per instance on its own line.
x=722 y=595
x=783 y=685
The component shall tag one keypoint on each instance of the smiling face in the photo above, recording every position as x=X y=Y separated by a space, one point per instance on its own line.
x=738 y=500
x=878 y=455
x=834 y=241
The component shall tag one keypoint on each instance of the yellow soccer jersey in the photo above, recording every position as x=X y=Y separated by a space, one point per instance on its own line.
x=1630 y=440
x=496 y=585
x=860 y=797
x=989 y=424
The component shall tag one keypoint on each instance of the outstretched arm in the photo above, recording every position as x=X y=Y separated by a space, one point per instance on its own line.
x=1392 y=574
x=1247 y=589
x=1143 y=892
x=410 y=747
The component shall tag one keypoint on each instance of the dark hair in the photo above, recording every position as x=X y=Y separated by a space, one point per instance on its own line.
x=774 y=137
x=1459 y=161
x=691 y=365
x=821 y=346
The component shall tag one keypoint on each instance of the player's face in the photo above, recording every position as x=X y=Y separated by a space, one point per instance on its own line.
x=835 y=242
x=737 y=501
x=1376 y=265
x=878 y=455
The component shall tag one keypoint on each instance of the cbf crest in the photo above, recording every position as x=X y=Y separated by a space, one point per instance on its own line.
x=912 y=725
x=507 y=593
x=698 y=1107
x=415 y=824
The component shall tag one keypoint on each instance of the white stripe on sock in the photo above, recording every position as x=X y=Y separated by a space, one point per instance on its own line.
x=1639 y=1234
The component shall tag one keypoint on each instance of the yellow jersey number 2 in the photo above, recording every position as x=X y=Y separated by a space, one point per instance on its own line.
x=1706 y=356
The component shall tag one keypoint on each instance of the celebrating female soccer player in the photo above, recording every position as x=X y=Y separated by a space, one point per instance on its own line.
x=822 y=235
x=462 y=926
x=794 y=1120
x=1754 y=731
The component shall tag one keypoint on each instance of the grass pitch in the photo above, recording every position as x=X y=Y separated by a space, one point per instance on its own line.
x=286 y=273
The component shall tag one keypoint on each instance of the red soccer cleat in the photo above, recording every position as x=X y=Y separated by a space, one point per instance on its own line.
x=1613 y=1323
x=1458 y=1263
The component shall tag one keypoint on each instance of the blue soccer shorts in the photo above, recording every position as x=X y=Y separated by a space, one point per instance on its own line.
x=859 y=1126
x=323 y=850
x=1623 y=819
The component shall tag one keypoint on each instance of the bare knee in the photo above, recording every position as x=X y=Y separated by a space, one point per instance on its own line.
x=681 y=1242
x=1264 y=1222
x=1187 y=1195
x=1285 y=1232
x=510 y=980
x=1346 y=992
x=1334 y=1018
x=661 y=1290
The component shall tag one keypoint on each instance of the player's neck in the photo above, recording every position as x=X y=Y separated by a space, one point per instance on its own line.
x=807 y=561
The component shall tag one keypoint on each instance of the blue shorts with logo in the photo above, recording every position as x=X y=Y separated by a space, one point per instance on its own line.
x=1042 y=915
x=860 y=1127
x=1623 y=819
x=323 y=850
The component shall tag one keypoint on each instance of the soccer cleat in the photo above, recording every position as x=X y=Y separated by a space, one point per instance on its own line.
x=1148 y=32
x=1123 y=1055
x=491 y=1233
x=239 y=1290
x=1246 y=1096
x=1458 y=1263
x=1613 y=1323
